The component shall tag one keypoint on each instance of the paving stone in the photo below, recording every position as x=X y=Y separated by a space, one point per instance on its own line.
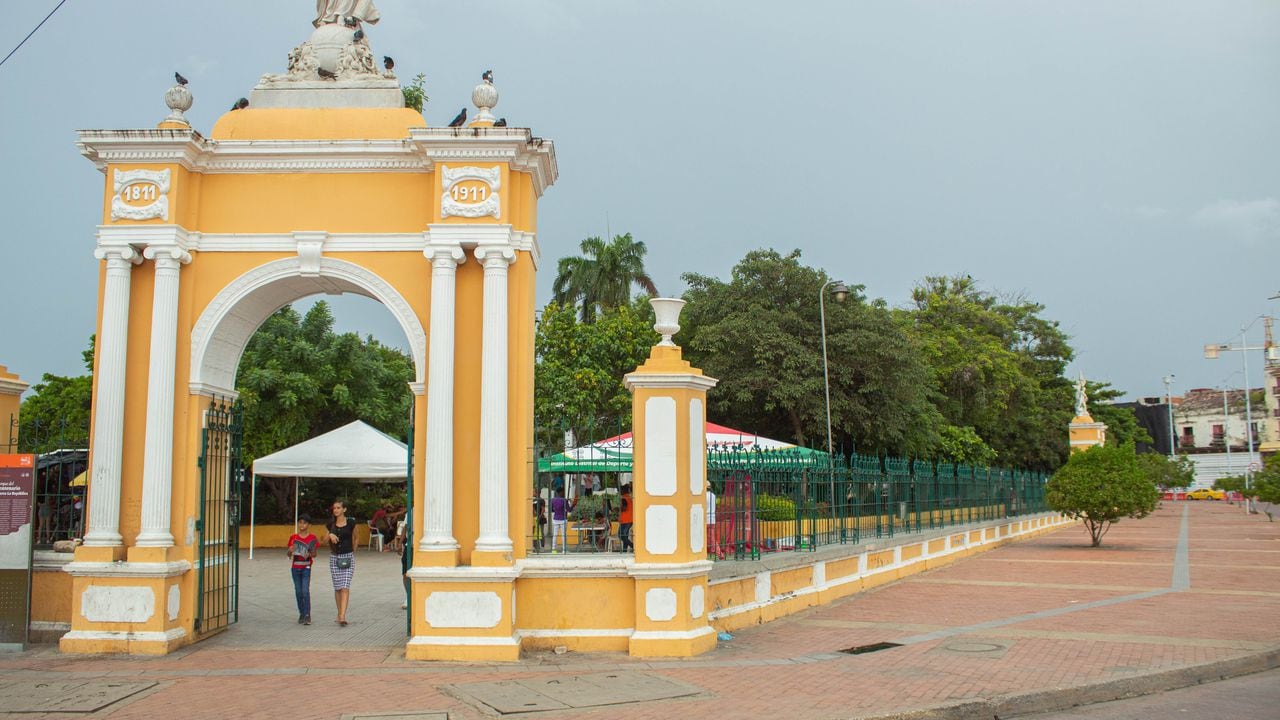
x=25 y=696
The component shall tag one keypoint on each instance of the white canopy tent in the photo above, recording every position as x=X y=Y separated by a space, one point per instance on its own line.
x=355 y=450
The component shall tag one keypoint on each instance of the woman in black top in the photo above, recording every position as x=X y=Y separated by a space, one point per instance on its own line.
x=342 y=560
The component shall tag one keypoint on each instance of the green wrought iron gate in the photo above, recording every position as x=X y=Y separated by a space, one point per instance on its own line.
x=218 y=527
x=406 y=552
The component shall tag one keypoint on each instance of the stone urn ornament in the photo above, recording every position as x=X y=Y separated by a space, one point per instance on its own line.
x=666 y=312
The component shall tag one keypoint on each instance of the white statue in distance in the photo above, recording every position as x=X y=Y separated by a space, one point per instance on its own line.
x=1082 y=398
x=336 y=12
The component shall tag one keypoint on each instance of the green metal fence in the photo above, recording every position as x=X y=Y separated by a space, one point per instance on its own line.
x=786 y=501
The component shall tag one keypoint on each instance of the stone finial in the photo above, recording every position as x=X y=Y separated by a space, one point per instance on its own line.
x=485 y=97
x=179 y=100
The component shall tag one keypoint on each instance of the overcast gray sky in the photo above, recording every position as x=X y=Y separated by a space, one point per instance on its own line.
x=1115 y=161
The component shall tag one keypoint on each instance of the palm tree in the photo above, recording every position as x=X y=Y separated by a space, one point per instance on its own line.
x=603 y=275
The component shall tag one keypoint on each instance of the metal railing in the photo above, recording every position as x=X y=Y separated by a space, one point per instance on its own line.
x=799 y=500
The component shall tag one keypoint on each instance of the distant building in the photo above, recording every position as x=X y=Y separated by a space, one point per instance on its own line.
x=1270 y=430
x=1153 y=416
x=1209 y=420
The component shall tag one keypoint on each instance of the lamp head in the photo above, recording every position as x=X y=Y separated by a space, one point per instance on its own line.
x=841 y=291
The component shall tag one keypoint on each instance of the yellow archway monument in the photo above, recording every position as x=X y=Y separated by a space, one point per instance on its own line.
x=322 y=183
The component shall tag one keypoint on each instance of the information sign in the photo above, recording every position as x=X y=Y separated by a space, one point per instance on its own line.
x=17 y=503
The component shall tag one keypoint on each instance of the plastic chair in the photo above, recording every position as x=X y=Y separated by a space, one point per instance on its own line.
x=374 y=536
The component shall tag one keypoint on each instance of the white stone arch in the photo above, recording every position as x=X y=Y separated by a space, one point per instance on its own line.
x=226 y=324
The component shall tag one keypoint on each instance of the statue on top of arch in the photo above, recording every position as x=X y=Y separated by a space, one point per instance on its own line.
x=344 y=12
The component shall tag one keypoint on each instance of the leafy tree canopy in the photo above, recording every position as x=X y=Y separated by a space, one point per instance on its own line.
x=1122 y=422
x=299 y=379
x=578 y=375
x=56 y=414
x=1166 y=473
x=995 y=365
x=1100 y=486
x=759 y=333
x=602 y=277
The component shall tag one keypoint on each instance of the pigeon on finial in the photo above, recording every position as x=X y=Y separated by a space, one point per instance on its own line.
x=461 y=118
x=326 y=74
x=241 y=104
x=500 y=122
x=181 y=80
x=358 y=36
x=351 y=22
x=487 y=76
x=388 y=62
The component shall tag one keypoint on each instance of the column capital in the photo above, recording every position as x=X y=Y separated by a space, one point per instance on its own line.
x=492 y=256
x=170 y=255
x=445 y=255
x=118 y=253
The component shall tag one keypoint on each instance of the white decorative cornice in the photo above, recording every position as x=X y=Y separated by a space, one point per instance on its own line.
x=463 y=574
x=213 y=391
x=418 y=153
x=670 y=570
x=685 y=381
x=144 y=236
x=128 y=569
x=469 y=235
x=13 y=386
x=418 y=388
x=562 y=566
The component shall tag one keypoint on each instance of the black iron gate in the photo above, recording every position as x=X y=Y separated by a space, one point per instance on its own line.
x=218 y=527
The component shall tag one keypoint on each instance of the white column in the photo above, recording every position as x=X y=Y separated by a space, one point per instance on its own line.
x=108 y=424
x=494 y=533
x=437 y=495
x=157 y=465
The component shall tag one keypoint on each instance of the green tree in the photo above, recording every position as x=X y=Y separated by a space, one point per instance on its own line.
x=1099 y=487
x=298 y=379
x=1166 y=473
x=56 y=414
x=1122 y=422
x=758 y=333
x=602 y=277
x=1265 y=486
x=579 y=367
x=997 y=367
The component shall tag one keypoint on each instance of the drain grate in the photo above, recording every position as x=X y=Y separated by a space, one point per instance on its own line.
x=873 y=647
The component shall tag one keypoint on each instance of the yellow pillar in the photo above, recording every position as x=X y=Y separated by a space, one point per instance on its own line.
x=671 y=566
x=11 y=389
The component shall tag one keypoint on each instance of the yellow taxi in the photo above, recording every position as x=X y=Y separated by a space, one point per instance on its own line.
x=1206 y=494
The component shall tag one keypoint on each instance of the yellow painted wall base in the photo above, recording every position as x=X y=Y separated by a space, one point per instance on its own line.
x=648 y=646
x=456 y=652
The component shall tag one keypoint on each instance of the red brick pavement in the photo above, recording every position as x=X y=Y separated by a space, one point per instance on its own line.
x=787 y=669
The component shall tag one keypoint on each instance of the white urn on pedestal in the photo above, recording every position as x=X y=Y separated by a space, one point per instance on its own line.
x=484 y=97
x=178 y=98
x=666 y=312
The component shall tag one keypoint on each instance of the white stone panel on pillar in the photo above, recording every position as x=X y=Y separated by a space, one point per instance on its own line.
x=108 y=426
x=437 y=501
x=660 y=604
x=157 y=464
x=660 y=529
x=494 y=533
x=697 y=447
x=660 y=446
x=697 y=528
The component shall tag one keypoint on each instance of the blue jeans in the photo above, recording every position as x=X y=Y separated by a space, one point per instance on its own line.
x=302 y=590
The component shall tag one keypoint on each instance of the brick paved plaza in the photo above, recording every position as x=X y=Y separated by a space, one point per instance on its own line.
x=1191 y=592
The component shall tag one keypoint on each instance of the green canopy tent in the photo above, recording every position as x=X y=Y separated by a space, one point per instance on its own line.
x=614 y=454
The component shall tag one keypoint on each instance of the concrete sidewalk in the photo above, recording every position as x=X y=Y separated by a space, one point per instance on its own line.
x=1190 y=594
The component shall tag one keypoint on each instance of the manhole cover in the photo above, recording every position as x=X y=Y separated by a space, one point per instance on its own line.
x=976 y=648
x=19 y=696
x=563 y=692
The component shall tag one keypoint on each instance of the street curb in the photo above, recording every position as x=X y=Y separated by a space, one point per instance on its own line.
x=1040 y=701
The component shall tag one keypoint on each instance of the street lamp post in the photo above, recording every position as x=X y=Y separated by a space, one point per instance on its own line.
x=1211 y=353
x=1168 y=403
x=841 y=292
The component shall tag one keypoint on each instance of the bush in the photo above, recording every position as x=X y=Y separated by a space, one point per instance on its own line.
x=773 y=507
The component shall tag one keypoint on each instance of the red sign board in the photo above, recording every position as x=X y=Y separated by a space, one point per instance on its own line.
x=17 y=501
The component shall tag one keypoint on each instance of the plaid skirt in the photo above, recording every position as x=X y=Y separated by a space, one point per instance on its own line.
x=342 y=576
